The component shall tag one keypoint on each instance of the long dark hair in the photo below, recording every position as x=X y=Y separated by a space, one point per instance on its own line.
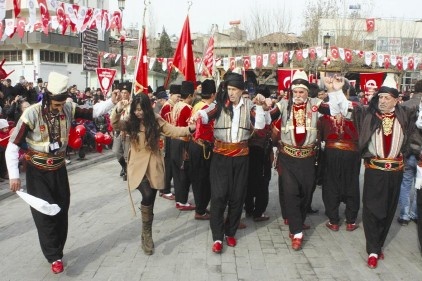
x=152 y=128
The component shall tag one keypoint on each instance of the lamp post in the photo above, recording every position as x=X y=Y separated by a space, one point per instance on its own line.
x=326 y=44
x=122 y=40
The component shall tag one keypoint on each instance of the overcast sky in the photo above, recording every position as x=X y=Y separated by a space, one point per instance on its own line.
x=203 y=13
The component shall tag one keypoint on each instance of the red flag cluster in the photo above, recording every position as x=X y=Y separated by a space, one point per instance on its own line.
x=56 y=15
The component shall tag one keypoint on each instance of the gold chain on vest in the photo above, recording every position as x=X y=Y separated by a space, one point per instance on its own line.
x=387 y=123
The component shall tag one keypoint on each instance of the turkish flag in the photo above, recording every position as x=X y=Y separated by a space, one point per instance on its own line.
x=370 y=25
x=45 y=15
x=61 y=17
x=273 y=58
x=183 y=57
x=232 y=63
x=399 y=64
x=246 y=62
x=285 y=58
x=141 y=80
x=411 y=64
x=348 y=55
x=299 y=55
x=334 y=52
x=386 y=61
x=259 y=61
x=20 y=27
x=371 y=80
x=285 y=78
x=312 y=53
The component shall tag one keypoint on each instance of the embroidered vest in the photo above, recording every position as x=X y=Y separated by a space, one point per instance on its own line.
x=288 y=127
x=223 y=125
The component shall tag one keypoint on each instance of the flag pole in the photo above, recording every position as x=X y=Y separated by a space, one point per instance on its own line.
x=138 y=52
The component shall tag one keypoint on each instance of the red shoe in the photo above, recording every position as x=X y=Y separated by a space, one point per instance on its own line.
x=351 y=226
x=332 y=226
x=372 y=262
x=297 y=243
x=57 y=266
x=231 y=241
x=187 y=207
x=217 y=247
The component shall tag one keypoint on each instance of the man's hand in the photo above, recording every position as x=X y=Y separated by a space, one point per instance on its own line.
x=121 y=104
x=334 y=83
x=15 y=184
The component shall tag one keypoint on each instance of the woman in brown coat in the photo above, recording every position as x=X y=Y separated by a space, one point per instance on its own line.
x=145 y=161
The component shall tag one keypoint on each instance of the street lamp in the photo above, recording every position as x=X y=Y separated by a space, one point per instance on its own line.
x=326 y=44
x=122 y=40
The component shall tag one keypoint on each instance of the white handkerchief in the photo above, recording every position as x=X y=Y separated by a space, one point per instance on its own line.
x=39 y=204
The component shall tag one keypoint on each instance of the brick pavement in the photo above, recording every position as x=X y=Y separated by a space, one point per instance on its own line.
x=104 y=242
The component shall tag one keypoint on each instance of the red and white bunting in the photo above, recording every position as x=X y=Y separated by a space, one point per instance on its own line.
x=393 y=60
x=253 y=61
x=280 y=57
x=368 y=58
x=405 y=62
x=341 y=53
x=265 y=58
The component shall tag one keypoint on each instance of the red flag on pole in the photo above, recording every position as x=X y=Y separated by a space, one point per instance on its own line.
x=183 y=57
x=209 y=58
x=17 y=7
x=141 y=82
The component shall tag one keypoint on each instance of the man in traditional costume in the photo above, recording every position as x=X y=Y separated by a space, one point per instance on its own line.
x=200 y=153
x=233 y=119
x=384 y=130
x=44 y=128
x=340 y=167
x=299 y=117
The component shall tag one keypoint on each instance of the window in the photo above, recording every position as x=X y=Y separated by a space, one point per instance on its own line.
x=29 y=55
x=51 y=56
x=11 y=55
x=74 y=58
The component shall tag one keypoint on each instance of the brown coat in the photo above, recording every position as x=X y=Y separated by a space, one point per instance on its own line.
x=144 y=162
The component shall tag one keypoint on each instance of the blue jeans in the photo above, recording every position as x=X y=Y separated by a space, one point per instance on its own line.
x=407 y=199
